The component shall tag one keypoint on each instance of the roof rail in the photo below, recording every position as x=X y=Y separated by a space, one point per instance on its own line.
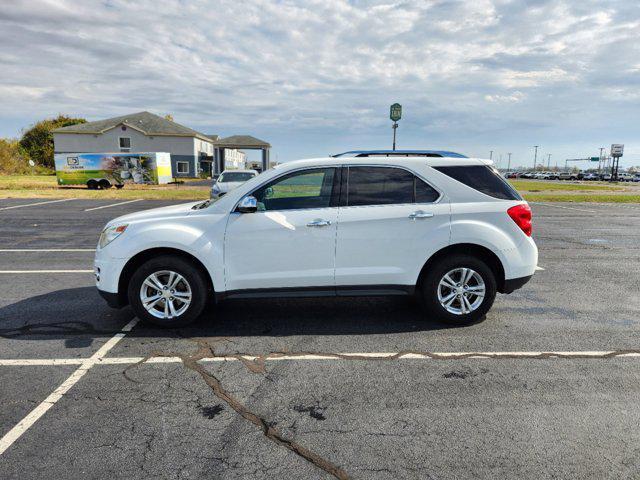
x=400 y=153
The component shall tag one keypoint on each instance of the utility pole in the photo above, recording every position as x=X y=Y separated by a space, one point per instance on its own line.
x=490 y=154
x=509 y=163
x=600 y=160
x=535 y=157
x=548 y=161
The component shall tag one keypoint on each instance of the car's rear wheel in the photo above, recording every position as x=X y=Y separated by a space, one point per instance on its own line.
x=459 y=290
x=168 y=292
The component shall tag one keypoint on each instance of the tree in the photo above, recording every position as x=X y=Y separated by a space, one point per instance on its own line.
x=37 y=142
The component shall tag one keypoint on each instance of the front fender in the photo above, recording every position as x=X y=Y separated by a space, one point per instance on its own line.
x=201 y=236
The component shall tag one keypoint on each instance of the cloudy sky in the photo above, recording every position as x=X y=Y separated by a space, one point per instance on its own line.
x=317 y=77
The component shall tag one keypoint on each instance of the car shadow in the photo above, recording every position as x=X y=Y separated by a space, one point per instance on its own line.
x=79 y=314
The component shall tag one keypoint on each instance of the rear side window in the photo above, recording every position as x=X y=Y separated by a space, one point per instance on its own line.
x=386 y=186
x=482 y=178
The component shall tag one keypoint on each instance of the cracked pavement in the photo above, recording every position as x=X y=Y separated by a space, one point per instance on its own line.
x=348 y=416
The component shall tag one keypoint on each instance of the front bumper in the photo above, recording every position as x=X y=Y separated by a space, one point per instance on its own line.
x=113 y=299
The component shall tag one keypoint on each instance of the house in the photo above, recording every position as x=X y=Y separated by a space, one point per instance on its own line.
x=141 y=132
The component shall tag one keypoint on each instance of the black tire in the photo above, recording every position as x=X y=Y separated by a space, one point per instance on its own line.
x=92 y=184
x=193 y=276
x=104 y=184
x=119 y=186
x=437 y=271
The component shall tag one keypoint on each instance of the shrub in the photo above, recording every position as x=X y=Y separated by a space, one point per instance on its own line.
x=12 y=160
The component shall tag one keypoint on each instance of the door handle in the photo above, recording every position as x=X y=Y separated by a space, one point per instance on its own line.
x=420 y=214
x=319 y=223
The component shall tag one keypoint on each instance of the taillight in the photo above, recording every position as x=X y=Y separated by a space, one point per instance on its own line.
x=521 y=214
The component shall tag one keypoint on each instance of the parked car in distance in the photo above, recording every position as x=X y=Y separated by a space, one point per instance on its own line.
x=591 y=176
x=625 y=177
x=230 y=179
x=443 y=227
x=511 y=175
x=568 y=176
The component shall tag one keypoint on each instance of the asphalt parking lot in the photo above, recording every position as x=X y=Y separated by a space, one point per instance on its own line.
x=546 y=387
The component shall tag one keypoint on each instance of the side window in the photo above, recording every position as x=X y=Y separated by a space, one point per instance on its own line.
x=304 y=189
x=425 y=193
x=483 y=179
x=386 y=186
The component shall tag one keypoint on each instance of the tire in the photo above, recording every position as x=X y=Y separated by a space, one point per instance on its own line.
x=119 y=186
x=104 y=184
x=92 y=184
x=193 y=281
x=431 y=286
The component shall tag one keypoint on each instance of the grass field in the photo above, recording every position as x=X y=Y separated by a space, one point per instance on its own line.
x=45 y=186
x=37 y=186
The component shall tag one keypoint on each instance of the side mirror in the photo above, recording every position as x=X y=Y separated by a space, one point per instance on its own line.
x=248 y=204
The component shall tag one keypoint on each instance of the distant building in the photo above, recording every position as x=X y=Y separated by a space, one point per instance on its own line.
x=138 y=132
x=235 y=159
x=191 y=152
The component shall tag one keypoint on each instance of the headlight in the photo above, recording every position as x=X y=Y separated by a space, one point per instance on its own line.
x=110 y=233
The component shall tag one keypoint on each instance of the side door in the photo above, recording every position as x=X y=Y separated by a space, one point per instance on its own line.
x=390 y=222
x=290 y=241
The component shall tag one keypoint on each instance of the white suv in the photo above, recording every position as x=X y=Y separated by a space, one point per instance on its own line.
x=436 y=224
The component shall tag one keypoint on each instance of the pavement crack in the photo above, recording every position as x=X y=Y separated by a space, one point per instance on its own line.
x=267 y=427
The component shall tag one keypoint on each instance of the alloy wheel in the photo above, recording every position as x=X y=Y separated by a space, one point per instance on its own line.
x=165 y=294
x=461 y=291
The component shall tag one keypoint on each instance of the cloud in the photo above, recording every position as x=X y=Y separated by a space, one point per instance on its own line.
x=317 y=75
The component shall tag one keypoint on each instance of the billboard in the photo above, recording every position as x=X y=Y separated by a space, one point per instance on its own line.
x=117 y=168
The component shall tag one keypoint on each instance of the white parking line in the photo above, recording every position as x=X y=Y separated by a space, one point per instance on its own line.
x=45 y=271
x=566 y=208
x=50 y=250
x=332 y=356
x=37 y=203
x=112 y=205
x=16 y=432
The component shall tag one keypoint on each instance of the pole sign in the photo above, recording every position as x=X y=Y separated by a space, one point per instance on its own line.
x=595 y=159
x=395 y=112
x=617 y=149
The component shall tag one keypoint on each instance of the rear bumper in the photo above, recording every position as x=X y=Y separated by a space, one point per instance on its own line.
x=113 y=299
x=514 y=284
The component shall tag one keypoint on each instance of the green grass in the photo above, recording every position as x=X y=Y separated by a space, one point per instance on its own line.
x=592 y=198
x=45 y=186
x=546 y=186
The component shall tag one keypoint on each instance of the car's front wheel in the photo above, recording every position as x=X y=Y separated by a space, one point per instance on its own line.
x=459 y=290
x=168 y=292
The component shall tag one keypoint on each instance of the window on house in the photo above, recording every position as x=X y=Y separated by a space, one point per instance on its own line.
x=183 y=167
x=125 y=144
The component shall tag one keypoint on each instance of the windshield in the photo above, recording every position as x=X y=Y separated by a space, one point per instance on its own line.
x=236 y=177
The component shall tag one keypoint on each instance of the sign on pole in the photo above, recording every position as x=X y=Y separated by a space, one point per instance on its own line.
x=617 y=149
x=395 y=112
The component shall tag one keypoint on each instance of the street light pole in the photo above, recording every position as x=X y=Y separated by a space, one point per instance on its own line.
x=509 y=163
x=548 y=161
x=490 y=154
x=395 y=127
x=535 y=157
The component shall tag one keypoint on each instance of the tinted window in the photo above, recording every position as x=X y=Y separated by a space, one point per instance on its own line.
x=386 y=186
x=304 y=189
x=236 y=177
x=425 y=193
x=379 y=186
x=482 y=178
